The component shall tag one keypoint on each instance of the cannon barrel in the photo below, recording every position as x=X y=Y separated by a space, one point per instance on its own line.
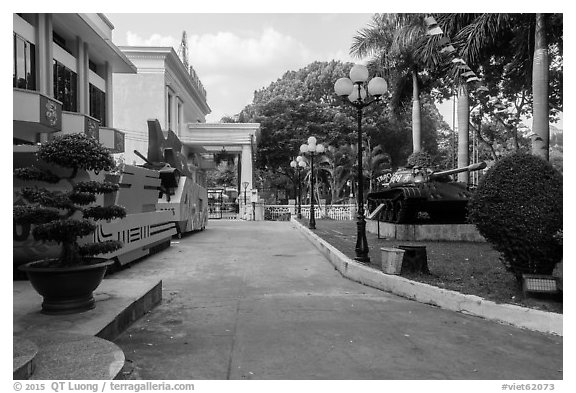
x=142 y=157
x=471 y=168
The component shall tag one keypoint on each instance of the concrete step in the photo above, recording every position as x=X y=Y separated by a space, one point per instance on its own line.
x=68 y=356
x=24 y=358
x=75 y=346
x=118 y=304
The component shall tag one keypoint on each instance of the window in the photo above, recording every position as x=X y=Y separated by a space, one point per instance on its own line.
x=24 y=71
x=92 y=66
x=61 y=42
x=65 y=86
x=98 y=104
x=169 y=111
x=178 y=118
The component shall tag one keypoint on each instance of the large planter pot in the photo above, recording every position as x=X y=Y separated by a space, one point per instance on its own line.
x=66 y=290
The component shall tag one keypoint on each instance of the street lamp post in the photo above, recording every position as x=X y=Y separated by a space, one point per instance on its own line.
x=245 y=185
x=353 y=88
x=298 y=164
x=312 y=149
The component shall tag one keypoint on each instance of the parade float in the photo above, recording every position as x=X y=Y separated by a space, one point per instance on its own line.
x=181 y=194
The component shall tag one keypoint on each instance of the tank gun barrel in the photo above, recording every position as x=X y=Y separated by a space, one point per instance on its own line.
x=474 y=167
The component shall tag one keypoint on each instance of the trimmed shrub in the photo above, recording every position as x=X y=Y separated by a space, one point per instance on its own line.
x=419 y=159
x=518 y=208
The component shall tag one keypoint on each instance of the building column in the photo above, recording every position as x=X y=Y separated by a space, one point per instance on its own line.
x=109 y=94
x=238 y=173
x=82 y=68
x=45 y=55
x=246 y=165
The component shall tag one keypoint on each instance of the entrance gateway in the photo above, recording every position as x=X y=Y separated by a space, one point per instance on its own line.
x=237 y=139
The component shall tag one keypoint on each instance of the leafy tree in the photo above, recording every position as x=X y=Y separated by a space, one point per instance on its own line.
x=302 y=103
x=505 y=51
x=223 y=176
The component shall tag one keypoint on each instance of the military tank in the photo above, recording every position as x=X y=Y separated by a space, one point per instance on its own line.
x=414 y=190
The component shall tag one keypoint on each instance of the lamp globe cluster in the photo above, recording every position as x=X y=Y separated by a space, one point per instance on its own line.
x=344 y=87
x=298 y=165
x=299 y=162
x=312 y=147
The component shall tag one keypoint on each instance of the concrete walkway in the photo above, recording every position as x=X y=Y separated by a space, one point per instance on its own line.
x=255 y=300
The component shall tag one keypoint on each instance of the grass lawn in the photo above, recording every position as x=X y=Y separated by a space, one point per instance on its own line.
x=465 y=267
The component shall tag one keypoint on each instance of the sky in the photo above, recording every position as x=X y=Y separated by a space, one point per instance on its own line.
x=239 y=47
x=236 y=54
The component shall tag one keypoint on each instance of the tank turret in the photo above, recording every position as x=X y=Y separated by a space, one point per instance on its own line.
x=421 y=190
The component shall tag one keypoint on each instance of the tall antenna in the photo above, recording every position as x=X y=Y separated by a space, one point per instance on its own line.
x=183 y=50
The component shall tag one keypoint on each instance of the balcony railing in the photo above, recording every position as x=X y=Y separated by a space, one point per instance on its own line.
x=112 y=138
x=78 y=122
x=34 y=113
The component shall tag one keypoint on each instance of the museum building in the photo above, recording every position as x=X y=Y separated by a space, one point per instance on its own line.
x=62 y=77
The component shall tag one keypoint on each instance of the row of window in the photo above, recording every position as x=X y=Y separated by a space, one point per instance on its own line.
x=98 y=104
x=24 y=73
x=65 y=81
x=171 y=121
x=65 y=86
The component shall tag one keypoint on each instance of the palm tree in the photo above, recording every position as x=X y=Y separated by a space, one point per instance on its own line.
x=335 y=162
x=375 y=161
x=392 y=40
x=540 y=124
x=525 y=38
x=463 y=111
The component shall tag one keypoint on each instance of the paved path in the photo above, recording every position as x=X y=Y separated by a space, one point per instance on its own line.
x=255 y=300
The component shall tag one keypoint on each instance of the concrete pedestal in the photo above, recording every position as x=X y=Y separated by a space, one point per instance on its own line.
x=425 y=232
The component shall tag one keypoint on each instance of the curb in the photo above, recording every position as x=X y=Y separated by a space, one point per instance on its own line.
x=540 y=321
x=132 y=313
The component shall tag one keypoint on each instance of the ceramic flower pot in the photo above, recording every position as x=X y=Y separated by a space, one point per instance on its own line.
x=66 y=290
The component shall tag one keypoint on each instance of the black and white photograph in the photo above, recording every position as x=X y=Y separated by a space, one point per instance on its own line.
x=319 y=197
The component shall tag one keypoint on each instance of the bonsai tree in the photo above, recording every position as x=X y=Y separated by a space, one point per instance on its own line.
x=66 y=216
x=518 y=208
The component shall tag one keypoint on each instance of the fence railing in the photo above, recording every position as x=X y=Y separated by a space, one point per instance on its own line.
x=335 y=212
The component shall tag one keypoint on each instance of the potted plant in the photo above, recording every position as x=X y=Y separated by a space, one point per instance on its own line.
x=64 y=216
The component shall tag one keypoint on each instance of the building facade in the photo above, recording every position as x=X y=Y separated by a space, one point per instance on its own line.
x=163 y=89
x=62 y=77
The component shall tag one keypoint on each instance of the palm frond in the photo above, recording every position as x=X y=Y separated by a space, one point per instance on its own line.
x=371 y=39
x=482 y=33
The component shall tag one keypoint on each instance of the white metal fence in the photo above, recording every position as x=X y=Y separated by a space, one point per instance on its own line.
x=335 y=212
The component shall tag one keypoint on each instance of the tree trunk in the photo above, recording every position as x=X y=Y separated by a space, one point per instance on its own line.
x=463 y=136
x=416 y=117
x=540 y=123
